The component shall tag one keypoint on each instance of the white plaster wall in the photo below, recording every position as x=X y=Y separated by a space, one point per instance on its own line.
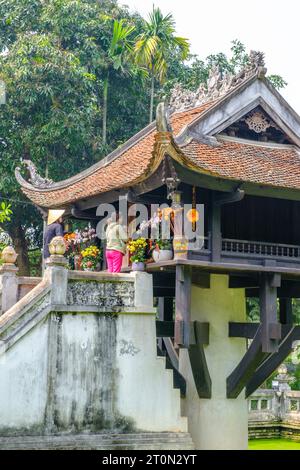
x=83 y=372
x=217 y=423
x=145 y=386
x=23 y=381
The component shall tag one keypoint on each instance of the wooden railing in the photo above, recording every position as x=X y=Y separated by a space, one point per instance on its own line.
x=259 y=249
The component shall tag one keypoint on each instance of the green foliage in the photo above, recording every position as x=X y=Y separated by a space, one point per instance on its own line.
x=155 y=45
x=277 y=81
x=35 y=262
x=164 y=244
x=5 y=212
x=157 y=41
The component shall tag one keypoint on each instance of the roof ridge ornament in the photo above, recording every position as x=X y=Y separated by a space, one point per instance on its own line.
x=162 y=118
x=35 y=178
x=218 y=84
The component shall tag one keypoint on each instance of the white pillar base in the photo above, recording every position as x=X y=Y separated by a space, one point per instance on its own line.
x=219 y=422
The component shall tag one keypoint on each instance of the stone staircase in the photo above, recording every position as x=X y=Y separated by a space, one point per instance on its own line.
x=133 y=441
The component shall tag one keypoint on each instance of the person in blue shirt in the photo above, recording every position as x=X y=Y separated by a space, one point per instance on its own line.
x=54 y=229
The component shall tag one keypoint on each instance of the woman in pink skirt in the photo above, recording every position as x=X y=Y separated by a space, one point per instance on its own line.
x=116 y=238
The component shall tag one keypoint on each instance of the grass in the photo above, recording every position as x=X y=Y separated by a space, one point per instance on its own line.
x=273 y=444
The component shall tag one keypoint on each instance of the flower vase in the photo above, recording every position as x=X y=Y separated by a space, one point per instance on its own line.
x=138 y=266
x=162 y=255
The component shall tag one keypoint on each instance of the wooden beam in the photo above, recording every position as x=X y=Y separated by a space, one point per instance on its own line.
x=271 y=332
x=243 y=282
x=167 y=329
x=248 y=330
x=234 y=196
x=200 y=279
x=183 y=305
x=229 y=267
x=83 y=215
x=241 y=375
x=242 y=330
x=198 y=362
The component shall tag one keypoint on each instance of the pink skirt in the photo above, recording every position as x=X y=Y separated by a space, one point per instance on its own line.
x=114 y=260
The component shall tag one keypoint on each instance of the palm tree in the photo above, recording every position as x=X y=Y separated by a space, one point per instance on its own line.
x=119 y=53
x=154 y=46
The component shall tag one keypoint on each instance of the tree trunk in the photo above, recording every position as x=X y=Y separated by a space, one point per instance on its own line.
x=104 y=122
x=151 y=98
x=19 y=241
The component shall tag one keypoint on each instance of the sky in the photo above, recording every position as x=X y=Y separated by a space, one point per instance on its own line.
x=271 y=26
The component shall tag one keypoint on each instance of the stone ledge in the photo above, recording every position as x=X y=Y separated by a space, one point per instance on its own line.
x=268 y=430
x=100 y=276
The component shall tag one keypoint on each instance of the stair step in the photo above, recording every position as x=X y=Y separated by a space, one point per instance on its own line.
x=136 y=441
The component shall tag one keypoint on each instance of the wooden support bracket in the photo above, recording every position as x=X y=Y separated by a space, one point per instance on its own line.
x=273 y=361
x=241 y=375
x=198 y=362
x=260 y=370
x=199 y=337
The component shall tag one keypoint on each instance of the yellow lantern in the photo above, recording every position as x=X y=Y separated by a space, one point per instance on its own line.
x=192 y=215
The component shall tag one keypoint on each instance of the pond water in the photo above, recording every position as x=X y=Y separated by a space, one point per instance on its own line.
x=273 y=444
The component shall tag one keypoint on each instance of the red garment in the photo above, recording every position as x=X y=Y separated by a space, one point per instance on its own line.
x=114 y=260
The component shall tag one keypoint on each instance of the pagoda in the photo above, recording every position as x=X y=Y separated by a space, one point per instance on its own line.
x=234 y=146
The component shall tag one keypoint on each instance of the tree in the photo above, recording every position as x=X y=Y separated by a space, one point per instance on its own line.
x=118 y=57
x=48 y=118
x=155 y=45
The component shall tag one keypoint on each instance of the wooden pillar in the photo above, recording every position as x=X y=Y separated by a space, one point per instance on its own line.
x=215 y=232
x=183 y=305
x=268 y=313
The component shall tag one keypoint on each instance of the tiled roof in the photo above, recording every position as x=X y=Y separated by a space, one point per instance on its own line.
x=258 y=163
x=119 y=172
x=242 y=161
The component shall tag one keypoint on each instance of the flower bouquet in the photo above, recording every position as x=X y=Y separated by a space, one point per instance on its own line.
x=137 y=249
x=91 y=256
x=76 y=242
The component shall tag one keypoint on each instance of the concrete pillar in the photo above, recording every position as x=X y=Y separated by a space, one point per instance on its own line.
x=143 y=290
x=8 y=286
x=218 y=422
x=57 y=273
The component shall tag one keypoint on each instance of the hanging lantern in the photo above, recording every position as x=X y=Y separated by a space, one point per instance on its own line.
x=193 y=216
